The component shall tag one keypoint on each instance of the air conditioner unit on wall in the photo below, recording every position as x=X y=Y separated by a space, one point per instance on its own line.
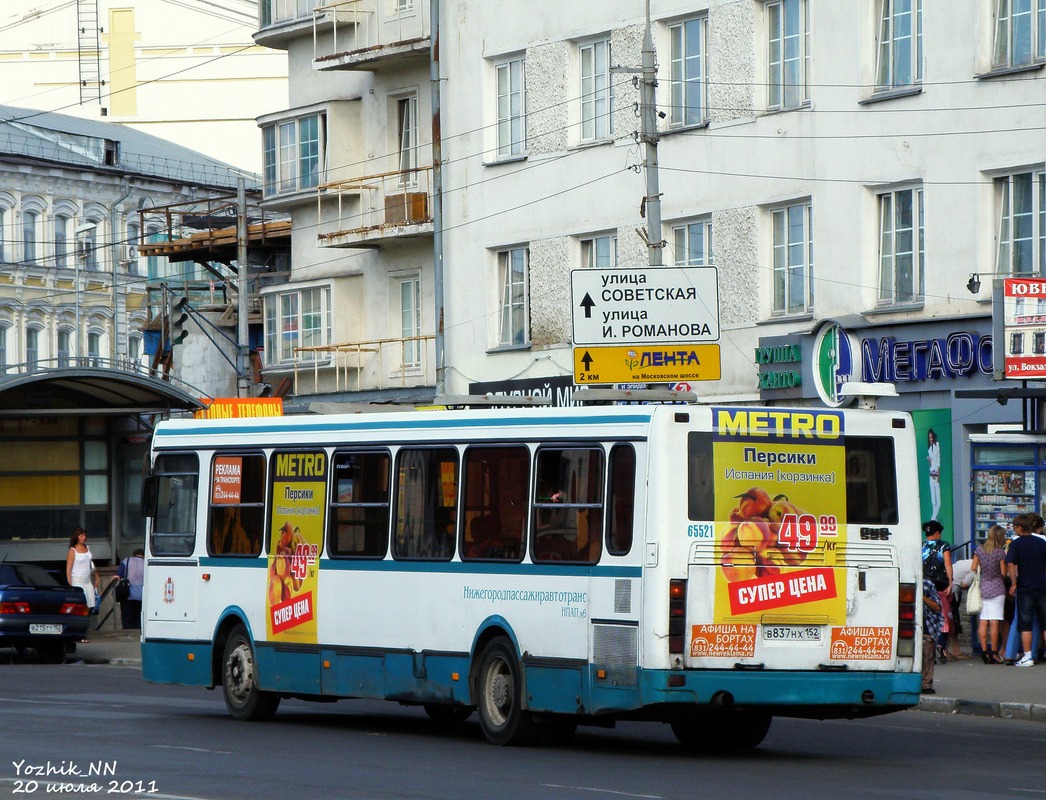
x=128 y=253
x=406 y=207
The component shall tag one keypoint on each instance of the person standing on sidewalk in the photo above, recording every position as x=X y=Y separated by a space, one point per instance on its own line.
x=133 y=569
x=1026 y=562
x=989 y=559
x=933 y=622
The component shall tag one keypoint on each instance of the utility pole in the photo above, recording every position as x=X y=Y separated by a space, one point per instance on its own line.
x=243 y=383
x=649 y=136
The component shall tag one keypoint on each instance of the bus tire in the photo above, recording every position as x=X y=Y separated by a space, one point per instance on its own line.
x=735 y=731
x=499 y=695
x=243 y=698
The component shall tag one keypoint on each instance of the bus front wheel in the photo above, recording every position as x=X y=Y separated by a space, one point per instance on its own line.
x=499 y=690
x=734 y=731
x=243 y=698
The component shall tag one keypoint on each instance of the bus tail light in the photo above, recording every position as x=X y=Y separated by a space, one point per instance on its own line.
x=906 y=607
x=676 y=615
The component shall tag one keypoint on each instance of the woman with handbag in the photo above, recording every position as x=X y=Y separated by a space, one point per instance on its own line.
x=988 y=562
x=131 y=570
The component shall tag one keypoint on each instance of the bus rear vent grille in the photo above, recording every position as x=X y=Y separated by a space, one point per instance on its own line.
x=616 y=650
x=622 y=596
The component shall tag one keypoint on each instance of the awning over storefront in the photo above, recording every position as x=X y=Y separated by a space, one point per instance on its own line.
x=90 y=391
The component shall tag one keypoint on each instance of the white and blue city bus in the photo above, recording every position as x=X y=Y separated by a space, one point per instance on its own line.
x=707 y=567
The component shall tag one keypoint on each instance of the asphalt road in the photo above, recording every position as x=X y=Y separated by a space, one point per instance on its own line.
x=177 y=742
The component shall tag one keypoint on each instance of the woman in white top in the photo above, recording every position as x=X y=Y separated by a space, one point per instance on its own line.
x=79 y=569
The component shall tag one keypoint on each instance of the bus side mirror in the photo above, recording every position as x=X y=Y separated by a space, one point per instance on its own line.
x=149 y=495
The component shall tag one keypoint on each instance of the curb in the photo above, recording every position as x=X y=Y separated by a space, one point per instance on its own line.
x=1030 y=712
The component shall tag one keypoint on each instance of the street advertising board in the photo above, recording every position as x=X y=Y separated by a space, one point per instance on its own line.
x=299 y=499
x=655 y=305
x=1023 y=344
x=780 y=509
x=649 y=363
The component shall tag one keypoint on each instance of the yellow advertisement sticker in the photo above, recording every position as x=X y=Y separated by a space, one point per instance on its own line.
x=780 y=509
x=299 y=482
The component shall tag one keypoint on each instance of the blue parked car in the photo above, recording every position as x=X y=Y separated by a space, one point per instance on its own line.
x=38 y=612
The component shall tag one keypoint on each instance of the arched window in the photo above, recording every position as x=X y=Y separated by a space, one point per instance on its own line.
x=94 y=348
x=64 y=347
x=61 y=241
x=3 y=349
x=32 y=348
x=29 y=220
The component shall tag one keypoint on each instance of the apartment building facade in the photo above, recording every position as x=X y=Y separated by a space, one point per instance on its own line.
x=846 y=168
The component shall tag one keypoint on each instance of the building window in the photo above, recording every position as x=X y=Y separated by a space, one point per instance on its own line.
x=900 y=44
x=1020 y=33
x=64 y=351
x=901 y=246
x=61 y=241
x=793 y=259
x=407 y=125
x=29 y=220
x=788 y=57
x=32 y=348
x=3 y=235
x=300 y=318
x=275 y=12
x=1022 y=224
x=599 y=252
x=512 y=107
x=3 y=350
x=689 y=72
x=512 y=278
x=693 y=243
x=87 y=244
x=410 y=321
x=597 y=101
x=94 y=348
x=292 y=154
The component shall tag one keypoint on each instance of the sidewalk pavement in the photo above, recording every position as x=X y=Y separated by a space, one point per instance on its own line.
x=967 y=686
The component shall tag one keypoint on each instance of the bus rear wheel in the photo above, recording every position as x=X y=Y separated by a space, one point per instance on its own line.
x=243 y=698
x=734 y=731
x=499 y=689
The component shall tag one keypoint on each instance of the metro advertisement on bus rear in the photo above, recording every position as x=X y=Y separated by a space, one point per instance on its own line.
x=780 y=503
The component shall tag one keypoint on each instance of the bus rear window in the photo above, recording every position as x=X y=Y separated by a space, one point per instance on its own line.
x=871 y=484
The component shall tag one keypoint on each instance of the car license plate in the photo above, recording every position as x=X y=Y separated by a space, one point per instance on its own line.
x=791 y=633
x=45 y=629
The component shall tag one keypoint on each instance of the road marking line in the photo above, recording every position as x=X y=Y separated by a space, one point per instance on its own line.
x=602 y=791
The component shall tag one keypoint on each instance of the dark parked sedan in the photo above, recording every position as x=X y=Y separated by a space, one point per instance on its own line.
x=37 y=612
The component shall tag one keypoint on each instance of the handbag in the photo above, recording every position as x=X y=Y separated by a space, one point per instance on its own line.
x=122 y=590
x=974 y=601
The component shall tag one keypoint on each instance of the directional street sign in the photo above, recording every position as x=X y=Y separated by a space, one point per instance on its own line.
x=651 y=363
x=649 y=305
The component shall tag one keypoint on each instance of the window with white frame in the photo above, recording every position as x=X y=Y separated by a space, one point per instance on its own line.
x=899 y=59
x=3 y=235
x=32 y=348
x=87 y=244
x=94 y=348
x=1021 y=203
x=597 y=99
x=61 y=240
x=510 y=79
x=275 y=12
x=788 y=54
x=292 y=152
x=1020 y=33
x=599 y=252
x=410 y=320
x=688 y=70
x=3 y=349
x=793 y=259
x=297 y=318
x=130 y=247
x=692 y=242
x=901 y=246
x=30 y=221
x=64 y=351
x=407 y=127
x=512 y=279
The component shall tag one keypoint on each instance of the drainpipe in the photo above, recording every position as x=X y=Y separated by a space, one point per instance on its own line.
x=437 y=198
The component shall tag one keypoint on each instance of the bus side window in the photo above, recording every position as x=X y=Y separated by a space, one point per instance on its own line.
x=359 y=517
x=426 y=503
x=871 y=481
x=700 y=495
x=174 y=518
x=568 y=509
x=622 y=500
x=237 y=505
x=495 y=503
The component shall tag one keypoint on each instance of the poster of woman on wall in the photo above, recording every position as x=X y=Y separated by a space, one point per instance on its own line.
x=933 y=436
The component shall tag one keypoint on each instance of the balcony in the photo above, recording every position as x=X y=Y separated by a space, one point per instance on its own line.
x=361 y=366
x=369 y=34
x=372 y=210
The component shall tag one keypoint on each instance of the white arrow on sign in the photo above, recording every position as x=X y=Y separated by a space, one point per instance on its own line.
x=649 y=305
